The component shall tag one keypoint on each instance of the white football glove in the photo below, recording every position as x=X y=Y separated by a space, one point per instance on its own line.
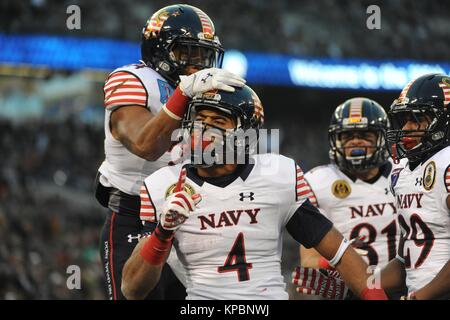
x=176 y=209
x=319 y=282
x=209 y=79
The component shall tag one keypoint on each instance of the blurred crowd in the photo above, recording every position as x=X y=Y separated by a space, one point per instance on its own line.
x=48 y=219
x=328 y=28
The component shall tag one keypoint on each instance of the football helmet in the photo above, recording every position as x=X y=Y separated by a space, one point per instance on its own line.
x=243 y=106
x=420 y=118
x=364 y=115
x=178 y=36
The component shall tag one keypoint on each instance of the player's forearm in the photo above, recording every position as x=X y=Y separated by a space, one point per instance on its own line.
x=393 y=275
x=353 y=270
x=309 y=258
x=438 y=287
x=350 y=265
x=138 y=276
x=155 y=138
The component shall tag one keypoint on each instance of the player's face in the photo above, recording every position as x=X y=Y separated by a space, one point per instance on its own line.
x=207 y=123
x=358 y=143
x=215 y=118
x=419 y=123
x=194 y=58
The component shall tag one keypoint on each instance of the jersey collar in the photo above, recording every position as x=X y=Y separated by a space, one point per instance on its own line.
x=242 y=171
x=385 y=170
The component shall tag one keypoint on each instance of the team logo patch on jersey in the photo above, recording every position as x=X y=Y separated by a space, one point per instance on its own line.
x=341 y=189
x=187 y=188
x=429 y=175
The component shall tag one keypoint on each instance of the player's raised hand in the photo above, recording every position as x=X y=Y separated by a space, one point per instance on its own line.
x=209 y=79
x=319 y=282
x=178 y=205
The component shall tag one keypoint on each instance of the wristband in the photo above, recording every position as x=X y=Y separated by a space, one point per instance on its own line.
x=157 y=247
x=324 y=264
x=373 y=294
x=176 y=105
x=340 y=252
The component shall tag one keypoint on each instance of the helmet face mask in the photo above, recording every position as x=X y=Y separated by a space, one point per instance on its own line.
x=219 y=143
x=179 y=36
x=363 y=119
x=187 y=53
x=358 y=157
x=420 y=120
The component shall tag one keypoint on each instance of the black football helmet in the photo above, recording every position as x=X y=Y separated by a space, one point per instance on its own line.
x=243 y=106
x=358 y=114
x=425 y=99
x=178 y=36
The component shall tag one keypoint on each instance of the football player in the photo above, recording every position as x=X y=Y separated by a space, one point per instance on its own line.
x=420 y=182
x=145 y=103
x=353 y=191
x=226 y=219
x=420 y=134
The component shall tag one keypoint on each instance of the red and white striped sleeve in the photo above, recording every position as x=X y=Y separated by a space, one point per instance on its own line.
x=447 y=179
x=124 y=89
x=147 y=211
x=303 y=188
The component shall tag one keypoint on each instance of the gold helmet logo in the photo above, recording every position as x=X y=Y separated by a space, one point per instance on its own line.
x=341 y=189
x=187 y=188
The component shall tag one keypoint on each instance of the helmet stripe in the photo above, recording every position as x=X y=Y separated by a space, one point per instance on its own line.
x=446 y=90
x=206 y=22
x=355 y=112
x=405 y=89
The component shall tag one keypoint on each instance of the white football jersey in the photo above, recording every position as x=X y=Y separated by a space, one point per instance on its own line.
x=231 y=244
x=357 y=208
x=137 y=85
x=423 y=217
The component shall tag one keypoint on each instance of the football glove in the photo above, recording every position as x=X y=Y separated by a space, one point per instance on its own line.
x=209 y=79
x=320 y=282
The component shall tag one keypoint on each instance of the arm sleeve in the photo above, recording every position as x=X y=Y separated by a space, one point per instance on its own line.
x=147 y=211
x=124 y=89
x=307 y=225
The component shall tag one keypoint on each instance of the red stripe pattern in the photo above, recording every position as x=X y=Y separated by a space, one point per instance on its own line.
x=123 y=88
x=405 y=89
x=147 y=211
x=446 y=89
x=207 y=24
x=356 y=108
x=447 y=179
x=303 y=188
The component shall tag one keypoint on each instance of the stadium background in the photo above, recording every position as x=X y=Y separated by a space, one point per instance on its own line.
x=51 y=116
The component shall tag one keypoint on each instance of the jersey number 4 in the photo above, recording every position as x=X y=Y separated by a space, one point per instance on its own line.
x=236 y=261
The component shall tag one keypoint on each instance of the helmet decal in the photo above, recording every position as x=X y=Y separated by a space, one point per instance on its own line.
x=207 y=24
x=403 y=98
x=259 y=110
x=445 y=86
x=355 y=113
x=155 y=23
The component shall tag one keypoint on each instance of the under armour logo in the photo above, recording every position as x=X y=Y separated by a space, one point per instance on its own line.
x=131 y=238
x=207 y=76
x=386 y=190
x=245 y=196
x=419 y=181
